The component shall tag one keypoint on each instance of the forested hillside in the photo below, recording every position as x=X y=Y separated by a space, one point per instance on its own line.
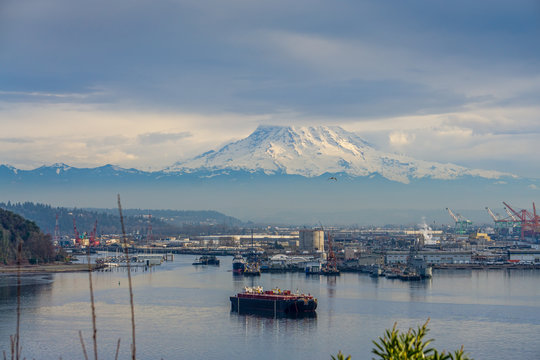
x=36 y=247
x=107 y=222
x=163 y=222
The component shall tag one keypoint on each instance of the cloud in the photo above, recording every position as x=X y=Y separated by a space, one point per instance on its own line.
x=398 y=138
x=45 y=94
x=16 y=140
x=156 y=138
x=365 y=59
x=455 y=82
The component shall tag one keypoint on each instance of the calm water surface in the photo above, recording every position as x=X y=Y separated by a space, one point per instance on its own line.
x=183 y=311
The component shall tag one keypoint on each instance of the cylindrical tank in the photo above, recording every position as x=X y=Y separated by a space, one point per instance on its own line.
x=312 y=240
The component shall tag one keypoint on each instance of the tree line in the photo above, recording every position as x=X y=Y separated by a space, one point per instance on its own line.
x=15 y=231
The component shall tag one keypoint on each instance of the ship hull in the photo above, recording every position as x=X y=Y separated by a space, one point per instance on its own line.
x=272 y=306
x=238 y=267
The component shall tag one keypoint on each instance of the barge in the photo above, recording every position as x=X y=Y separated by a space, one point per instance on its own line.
x=207 y=260
x=276 y=302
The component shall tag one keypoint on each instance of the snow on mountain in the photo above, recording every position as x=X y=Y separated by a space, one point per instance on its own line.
x=313 y=151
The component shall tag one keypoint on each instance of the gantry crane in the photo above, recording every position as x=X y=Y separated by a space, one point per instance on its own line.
x=530 y=221
x=462 y=225
x=505 y=223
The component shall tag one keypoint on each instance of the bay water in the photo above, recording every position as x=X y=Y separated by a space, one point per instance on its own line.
x=183 y=312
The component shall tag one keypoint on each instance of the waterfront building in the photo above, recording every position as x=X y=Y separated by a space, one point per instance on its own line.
x=525 y=255
x=430 y=257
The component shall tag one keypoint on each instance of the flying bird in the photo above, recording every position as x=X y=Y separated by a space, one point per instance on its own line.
x=332 y=178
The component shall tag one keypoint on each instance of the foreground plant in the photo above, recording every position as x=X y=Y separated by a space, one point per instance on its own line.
x=340 y=356
x=396 y=345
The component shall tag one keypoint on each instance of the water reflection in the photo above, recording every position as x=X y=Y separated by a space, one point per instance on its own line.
x=184 y=312
x=35 y=290
x=271 y=315
x=31 y=286
x=418 y=289
x=258 y=324
x=331 y=282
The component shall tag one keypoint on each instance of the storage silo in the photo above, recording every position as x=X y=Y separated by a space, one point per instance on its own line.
x=311 y=240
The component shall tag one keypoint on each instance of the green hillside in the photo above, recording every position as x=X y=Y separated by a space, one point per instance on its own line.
x=36 y=247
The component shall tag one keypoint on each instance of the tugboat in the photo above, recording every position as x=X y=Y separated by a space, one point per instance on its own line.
x=238 y=264
x=207 y=260
x=276 y=302
x=252 y=266
x=252 y=269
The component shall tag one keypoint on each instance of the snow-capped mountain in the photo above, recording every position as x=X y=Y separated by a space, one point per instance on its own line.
x=280 y=174
x=313 y=151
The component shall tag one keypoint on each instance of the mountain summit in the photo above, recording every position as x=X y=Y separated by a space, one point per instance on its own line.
x=314 y=151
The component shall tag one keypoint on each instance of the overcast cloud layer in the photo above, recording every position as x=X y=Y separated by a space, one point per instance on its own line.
x=147 y=83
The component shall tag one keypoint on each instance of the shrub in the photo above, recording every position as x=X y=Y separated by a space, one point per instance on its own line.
x=396 y=345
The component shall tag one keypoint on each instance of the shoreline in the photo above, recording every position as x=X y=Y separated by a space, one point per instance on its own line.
x=45 y=268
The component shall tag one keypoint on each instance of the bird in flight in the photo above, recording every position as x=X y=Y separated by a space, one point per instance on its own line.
x=332 y=178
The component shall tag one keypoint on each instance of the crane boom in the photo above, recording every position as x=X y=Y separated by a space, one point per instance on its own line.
x=514 y=211
x=77 y=235
x=511 y=214
x=492 y=214
x=452 y=215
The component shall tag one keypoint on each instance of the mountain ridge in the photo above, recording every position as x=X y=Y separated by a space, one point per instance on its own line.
x=313 y=151
x=287 y=150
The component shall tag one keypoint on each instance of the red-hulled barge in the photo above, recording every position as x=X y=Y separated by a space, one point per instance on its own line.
x=276 y=301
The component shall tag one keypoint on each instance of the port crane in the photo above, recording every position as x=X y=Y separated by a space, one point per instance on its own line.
x=331 y=260
x=462 y=225
x=330 y=268
x=497 y=218
x=504 y=223
x=93 y=240
x=79 y=239
x=77 y=235
x=510 y=214
x=530 y=221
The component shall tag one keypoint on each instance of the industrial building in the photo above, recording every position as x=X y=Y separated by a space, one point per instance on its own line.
x=524 y=256
x=311 y=240
x=430 y=257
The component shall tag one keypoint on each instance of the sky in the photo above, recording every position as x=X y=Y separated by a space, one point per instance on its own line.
x=147 y=83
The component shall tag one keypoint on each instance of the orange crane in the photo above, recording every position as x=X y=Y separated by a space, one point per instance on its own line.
x=330 y=268
x=530 y=221
x=331 y=261
x=93 y=241
x=77 y=235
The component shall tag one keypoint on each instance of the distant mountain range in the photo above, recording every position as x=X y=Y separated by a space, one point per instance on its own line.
x=282 y=174
x=314 y=151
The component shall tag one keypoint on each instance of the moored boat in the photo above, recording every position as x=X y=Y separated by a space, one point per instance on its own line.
x=207 y=260
x=238 y=264
x=276 y=302
x=252 y=269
